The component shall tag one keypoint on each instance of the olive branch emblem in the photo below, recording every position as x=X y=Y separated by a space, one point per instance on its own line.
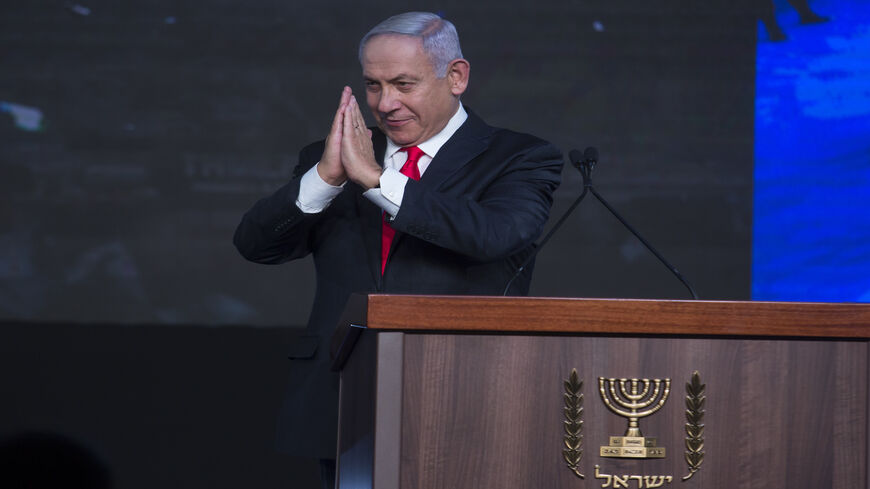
x=694 y=427
x=573 y=450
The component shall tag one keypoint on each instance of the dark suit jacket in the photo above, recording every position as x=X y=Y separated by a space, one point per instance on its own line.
x=463 y=228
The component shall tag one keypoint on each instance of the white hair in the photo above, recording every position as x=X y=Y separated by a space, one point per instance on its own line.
x=440 y=40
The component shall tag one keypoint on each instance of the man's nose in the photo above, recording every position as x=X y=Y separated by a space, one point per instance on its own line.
x=389 y=101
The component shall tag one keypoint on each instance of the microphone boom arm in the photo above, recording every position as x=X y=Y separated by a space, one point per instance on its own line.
x=585 y=164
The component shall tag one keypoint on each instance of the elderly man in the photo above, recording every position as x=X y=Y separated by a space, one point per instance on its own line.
x=432 y=201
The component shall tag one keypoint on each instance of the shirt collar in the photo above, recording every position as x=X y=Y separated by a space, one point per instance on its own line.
x=431 y=146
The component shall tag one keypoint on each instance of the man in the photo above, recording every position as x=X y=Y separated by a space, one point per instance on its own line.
x=482 y=198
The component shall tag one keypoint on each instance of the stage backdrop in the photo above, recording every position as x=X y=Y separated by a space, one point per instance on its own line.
x=811 y=238
x=133 y=135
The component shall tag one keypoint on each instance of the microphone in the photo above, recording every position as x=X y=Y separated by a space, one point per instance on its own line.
x=576 y=159
x=590 y=155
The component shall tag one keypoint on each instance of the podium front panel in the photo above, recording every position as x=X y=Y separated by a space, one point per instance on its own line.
x=465 y=410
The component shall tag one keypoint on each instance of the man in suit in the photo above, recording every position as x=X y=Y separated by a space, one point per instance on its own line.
x=431 y=201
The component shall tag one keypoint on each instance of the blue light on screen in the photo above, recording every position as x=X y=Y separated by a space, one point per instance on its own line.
x=811 y=236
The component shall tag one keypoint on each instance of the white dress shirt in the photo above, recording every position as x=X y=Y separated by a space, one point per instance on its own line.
x=316 y=195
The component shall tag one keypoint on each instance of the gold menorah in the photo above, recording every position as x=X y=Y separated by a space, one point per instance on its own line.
x=633 y=399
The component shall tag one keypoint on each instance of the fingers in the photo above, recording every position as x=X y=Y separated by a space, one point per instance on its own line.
x=348 y=123
x=357 y=117
x=335 y=130
x=354 y=126
x=330 y=167
x=354 y=123
x=357 y=156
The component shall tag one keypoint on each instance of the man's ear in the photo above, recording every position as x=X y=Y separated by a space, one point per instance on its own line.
x=458 y=72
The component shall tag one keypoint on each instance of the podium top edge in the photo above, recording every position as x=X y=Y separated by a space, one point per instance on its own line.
x=612 y=316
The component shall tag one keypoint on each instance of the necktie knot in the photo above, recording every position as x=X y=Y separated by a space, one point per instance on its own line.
x=410 y=168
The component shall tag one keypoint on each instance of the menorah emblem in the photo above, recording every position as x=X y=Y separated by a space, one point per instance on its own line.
x=633 y=399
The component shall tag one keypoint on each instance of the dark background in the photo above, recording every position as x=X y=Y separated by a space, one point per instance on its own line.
x=130 y=323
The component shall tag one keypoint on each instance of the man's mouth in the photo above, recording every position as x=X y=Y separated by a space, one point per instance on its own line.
x=396 y=123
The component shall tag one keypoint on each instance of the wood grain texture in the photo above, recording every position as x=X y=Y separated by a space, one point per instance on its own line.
x=485 y=411
x=622 y=316
x=482 y=390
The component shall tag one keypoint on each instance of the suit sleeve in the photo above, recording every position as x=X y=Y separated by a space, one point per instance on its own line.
x=275 y=230
x=505 y=216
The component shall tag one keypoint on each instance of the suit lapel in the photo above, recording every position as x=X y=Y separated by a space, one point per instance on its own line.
x=469 y=141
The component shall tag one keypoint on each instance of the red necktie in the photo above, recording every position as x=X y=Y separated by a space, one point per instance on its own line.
x=410 y=170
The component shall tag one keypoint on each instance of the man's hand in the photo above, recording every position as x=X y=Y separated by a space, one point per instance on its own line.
x=357 y=155
x=330 y=168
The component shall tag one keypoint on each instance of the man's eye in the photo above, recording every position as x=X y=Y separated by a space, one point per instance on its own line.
x=372 y=86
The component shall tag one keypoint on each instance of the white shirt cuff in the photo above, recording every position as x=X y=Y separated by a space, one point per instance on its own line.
x=315 y=194
x=390 y=193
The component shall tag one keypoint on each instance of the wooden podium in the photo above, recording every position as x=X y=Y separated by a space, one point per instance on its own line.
x=475 y=393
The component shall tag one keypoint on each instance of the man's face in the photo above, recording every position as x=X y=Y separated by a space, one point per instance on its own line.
x=409 y=103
